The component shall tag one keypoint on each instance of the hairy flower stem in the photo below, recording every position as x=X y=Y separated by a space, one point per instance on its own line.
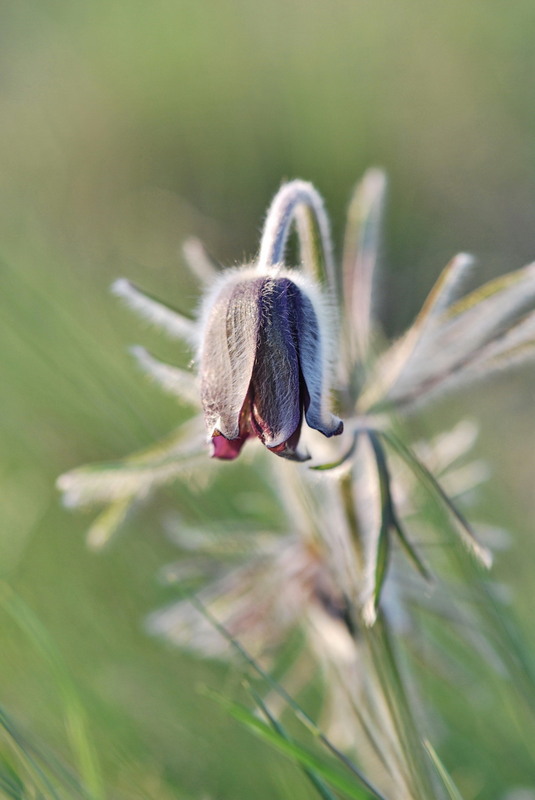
x=299 y=202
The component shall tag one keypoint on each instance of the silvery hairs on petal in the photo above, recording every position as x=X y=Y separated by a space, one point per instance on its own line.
x=262 y=358
x=230 y=319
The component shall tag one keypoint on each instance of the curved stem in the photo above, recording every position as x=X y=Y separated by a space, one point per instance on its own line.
x=298 y=202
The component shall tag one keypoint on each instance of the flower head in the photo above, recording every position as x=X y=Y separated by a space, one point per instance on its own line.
x=264 y=359
x=267 y=352
x=262 y=363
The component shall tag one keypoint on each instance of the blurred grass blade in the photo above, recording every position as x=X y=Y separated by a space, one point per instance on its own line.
x=400 y=704
x=75 y=718
x=10 y=783
x=320 y=786
x=28 y=760
x=502 y=296
x=514 y=346
x=299 y=712
x=443 y=774
x=296 y=752
x=37 y=771
x=108 y=522
x=11 y=786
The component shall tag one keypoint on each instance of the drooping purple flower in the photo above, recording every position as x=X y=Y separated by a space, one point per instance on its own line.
x=262 y=365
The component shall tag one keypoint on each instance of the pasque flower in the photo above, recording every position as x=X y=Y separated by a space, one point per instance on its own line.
x=262 y=363
x=266 y=355
x=265 y=338
x=271 y=341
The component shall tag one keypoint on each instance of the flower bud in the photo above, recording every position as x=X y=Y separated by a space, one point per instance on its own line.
x=263 y=364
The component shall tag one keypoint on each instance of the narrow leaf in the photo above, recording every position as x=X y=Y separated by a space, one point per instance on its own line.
x=199 y=262
x=390 y=513
x=445 y=351
x=296 y=752
x=299 y=712
x=75 y=717
x=173 y=380
x=108 y=522
x=342 y=460
x=383 y=551
x=390 y=375
x=154 y=311
x=443 y=774
x=178 y=453
x=410 y=549
x=321 y=787
x=462 y=527
x=383 y=543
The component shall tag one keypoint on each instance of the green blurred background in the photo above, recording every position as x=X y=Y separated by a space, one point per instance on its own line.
x=127 y=126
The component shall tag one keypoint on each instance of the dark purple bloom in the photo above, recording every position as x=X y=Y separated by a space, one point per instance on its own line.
x=262 y=365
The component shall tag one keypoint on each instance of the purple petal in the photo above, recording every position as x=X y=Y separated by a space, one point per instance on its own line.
x=228 y=354
x=313 y=369
x=275 y=386
x=227 y=449
x=288 y=449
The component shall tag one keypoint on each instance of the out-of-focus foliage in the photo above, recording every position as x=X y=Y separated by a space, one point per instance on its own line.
x=126 y=127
